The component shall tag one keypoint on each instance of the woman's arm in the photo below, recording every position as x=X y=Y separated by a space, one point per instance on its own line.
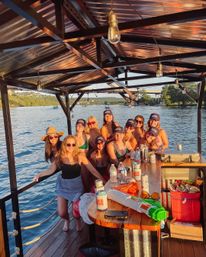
x=164 y=138
x=111 y=153
x=83 y=159
x=47 y=172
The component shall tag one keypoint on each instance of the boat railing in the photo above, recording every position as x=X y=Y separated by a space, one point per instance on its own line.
x=4 y=213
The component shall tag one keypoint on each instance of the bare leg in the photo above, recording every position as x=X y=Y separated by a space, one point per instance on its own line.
x=62 y=206
x=79 y=224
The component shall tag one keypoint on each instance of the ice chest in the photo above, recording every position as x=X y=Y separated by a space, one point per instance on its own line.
x=185 y=206
x=185 y=230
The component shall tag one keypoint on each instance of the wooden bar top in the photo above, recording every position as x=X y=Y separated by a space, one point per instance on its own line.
x=136 y=220
x=184 y=164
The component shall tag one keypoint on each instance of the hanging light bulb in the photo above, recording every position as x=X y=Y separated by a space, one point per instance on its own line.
x=39 y=87
x=159 y=71
x=113 y=31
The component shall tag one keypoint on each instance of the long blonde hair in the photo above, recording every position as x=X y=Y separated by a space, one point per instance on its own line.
x=63 y=150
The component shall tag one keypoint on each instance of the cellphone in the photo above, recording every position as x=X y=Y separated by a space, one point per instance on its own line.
x=114 y=214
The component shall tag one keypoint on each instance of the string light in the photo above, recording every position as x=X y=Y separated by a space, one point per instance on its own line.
x=159 y=71
x=39 y=86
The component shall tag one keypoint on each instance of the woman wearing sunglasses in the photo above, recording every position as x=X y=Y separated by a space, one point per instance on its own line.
x=52 y=143
x=69 y=183
x=139 y=132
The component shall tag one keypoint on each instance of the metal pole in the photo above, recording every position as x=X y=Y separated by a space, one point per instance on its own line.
x=11 y=166
x=68 y=114
x=201 y=88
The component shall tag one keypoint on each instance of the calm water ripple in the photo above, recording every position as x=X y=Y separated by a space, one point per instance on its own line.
x=29 y=124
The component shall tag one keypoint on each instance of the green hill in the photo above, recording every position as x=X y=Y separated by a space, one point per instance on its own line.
x=31 y=99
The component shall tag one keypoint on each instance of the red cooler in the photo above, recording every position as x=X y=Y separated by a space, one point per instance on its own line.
x=185 y=206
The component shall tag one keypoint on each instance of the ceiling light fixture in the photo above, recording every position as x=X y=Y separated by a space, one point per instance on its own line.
x=39 y=86
x=113 y=30
x=159 y=71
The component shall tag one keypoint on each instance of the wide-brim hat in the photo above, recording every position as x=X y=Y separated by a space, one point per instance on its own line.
x=51 y=131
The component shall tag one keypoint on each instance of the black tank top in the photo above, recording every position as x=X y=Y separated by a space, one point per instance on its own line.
x=70 y=171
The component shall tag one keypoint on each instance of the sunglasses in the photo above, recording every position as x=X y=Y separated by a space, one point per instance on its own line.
x=69 y=145
x=50 y=138
x=139 y=121
x=91 y=123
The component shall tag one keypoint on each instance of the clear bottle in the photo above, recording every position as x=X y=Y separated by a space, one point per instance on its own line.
x=137 y=156
x=113 y=173
x=122 y=172
x=136 y=170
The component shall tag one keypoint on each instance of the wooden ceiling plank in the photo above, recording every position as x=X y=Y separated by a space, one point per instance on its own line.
x=37 y=62
x=127 y=26
x=105 y=90
x=155 y=59
x=54 y=72
x=102 y=30
x=59 y=14
x=10 y=15
x=164 y=41
x=29 y=14
x=100 y=81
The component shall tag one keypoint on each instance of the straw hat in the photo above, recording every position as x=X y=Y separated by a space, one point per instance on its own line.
x=50 y=131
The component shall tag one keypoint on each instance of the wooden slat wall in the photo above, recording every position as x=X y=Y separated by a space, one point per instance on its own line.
x=2 y=248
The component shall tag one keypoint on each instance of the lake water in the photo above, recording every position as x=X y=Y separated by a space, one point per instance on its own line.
x=29 y=125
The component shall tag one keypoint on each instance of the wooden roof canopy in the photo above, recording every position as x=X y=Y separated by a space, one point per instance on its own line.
x=63 y=43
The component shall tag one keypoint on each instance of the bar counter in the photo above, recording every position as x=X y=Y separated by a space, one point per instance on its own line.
x=141 y=234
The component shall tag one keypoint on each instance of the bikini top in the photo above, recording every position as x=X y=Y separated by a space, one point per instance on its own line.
x=85 y=146
x=70 y=171
x=119 y=155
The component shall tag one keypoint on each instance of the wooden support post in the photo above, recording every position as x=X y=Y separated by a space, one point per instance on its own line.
x=201 y=89
x=203 y=205
x=68 y=114
x=11 y=165
x=76 y=101
x=98 y=50
x=4 y=248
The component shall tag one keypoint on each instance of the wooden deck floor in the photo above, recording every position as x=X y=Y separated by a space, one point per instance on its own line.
x=66 y=244
x=60 y=244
